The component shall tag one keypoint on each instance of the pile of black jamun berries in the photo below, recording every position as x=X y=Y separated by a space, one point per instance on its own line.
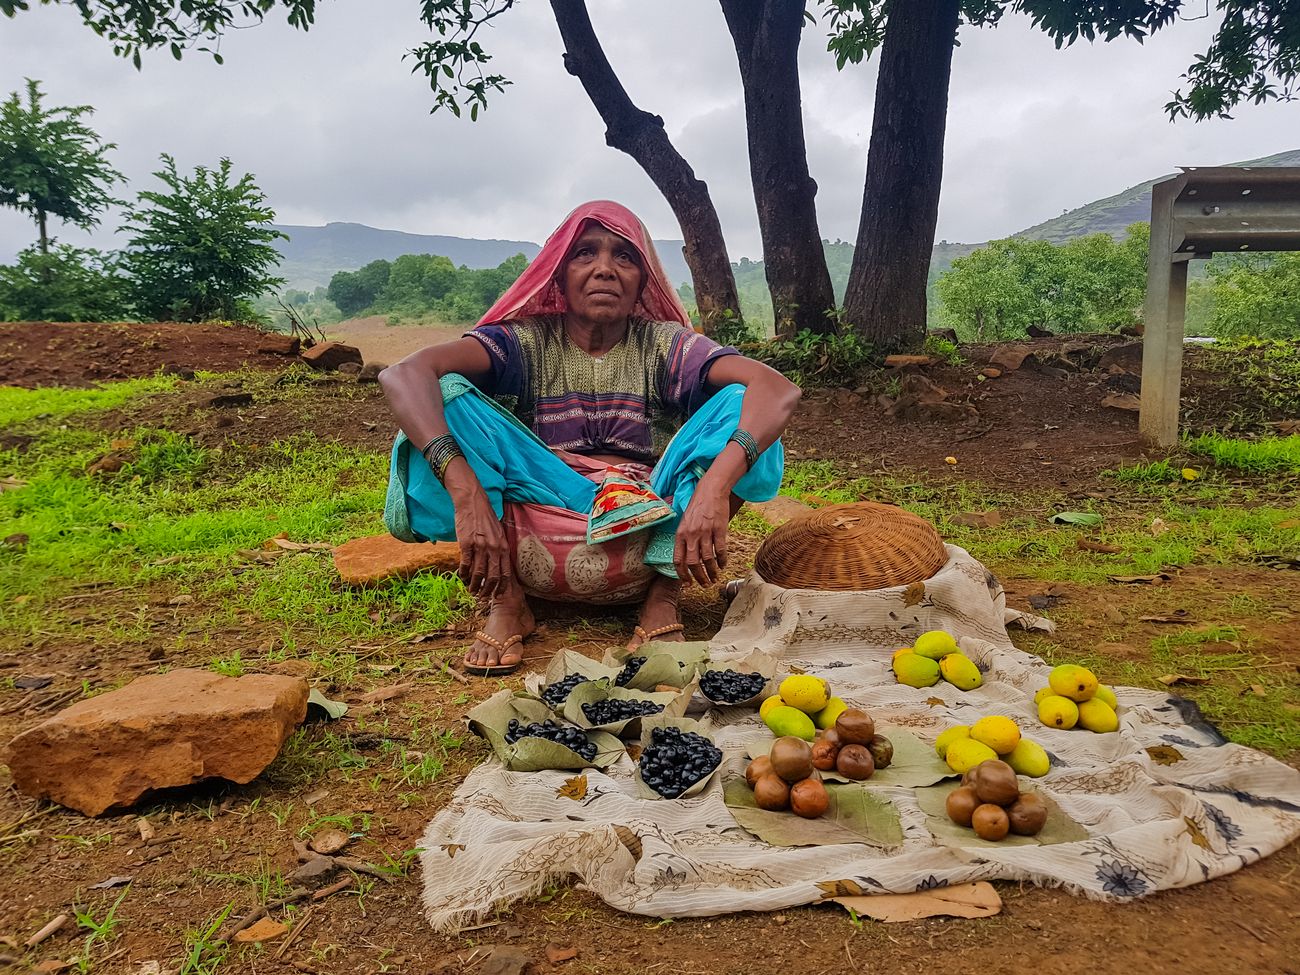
x=675 y=760
x=611 y=710
x=630 y=670
x=731 y=687
x=556 y=694
x=566 y=735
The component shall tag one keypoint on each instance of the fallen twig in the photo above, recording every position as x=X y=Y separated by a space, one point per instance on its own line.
x=454 y=675
x=19 y=705
x=333 y=888
x=297 y=930
x=27 y=819
x=252 y=917
x=360 y=866
x=46 y=931
x=1251 y=931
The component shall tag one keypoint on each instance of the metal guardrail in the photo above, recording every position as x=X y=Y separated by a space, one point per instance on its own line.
x=1199 y=213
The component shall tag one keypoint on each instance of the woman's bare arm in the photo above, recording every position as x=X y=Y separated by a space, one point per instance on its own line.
x=765 y=411
x=411 y=386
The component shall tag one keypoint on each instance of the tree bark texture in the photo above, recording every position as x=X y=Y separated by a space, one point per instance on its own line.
x=885 y=299
x=766 y=35
x=642 y=136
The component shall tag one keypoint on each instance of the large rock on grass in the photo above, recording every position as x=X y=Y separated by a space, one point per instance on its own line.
x=157 y=732
x=330 y=355
x=379 y=558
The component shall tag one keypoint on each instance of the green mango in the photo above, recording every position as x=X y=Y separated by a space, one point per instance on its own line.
x=960 y=671
x=916 y=671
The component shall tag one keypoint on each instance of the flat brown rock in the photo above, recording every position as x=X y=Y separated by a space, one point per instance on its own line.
x=903 y=361
x=377 y=558
x=157 y=732
x=331 y=355
x=779 y=510
x=1012 y=357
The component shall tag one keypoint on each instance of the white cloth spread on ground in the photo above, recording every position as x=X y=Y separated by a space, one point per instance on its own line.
x=1165 y=801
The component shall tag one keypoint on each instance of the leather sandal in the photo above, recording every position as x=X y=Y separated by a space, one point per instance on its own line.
x=646 y=637
x=501 y=647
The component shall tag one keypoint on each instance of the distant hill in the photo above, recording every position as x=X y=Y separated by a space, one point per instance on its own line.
x=1113 y=214
x=311 y=255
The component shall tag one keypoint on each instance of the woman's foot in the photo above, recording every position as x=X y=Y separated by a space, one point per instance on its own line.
x=498 y=647
x=659 y=619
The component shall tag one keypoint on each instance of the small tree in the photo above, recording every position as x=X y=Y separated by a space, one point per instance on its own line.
x=1256 y=295
x=203 y=247
x=52 y=165
x=64 y=284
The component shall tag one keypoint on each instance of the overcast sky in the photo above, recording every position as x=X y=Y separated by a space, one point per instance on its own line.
x=336 y=128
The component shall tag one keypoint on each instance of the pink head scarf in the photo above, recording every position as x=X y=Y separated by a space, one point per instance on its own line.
x=536 y=291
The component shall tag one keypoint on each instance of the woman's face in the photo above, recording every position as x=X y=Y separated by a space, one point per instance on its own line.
x=603 y=276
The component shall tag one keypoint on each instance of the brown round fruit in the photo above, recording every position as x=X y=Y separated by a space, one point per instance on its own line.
x=830 y=735
x=791 y=758
x=990 y=822
x=855 y=762
x=882 y=750
x=758 y=768
x=962 y=802
x=855 y=726
x=995 y=782
x=1027 y=814
x=809 y=798
x=771 y=793
x=823 y=755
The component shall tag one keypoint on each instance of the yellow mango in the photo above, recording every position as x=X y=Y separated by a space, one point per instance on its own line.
x=1058 y=712
x=1096 y=715
x=960 y=671
x=1029 y=758
x=787 y=721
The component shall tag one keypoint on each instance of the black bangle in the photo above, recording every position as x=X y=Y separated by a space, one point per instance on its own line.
x=748 y=444
x=441 y=451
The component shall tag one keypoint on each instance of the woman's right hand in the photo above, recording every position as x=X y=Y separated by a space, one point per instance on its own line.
x=484 y=552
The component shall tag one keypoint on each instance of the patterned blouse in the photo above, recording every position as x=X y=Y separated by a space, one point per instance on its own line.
x=628 y=402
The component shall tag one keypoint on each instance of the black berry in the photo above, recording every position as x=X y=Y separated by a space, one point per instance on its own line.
x=611 y=710
x=556 y=694
x=675 y=760
x=566 y=735
x=731 y=687
x=630 y=670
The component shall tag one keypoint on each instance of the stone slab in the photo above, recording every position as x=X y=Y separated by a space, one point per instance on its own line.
x=157 y=732
x=379 y=558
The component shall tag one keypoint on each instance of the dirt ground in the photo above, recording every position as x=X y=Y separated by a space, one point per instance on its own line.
x=1030 y=429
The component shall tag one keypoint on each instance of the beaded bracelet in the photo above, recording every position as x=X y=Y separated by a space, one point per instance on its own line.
x=748 y=444
x=441 y=451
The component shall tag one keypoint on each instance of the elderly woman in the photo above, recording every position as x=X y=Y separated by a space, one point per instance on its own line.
x=583 y=442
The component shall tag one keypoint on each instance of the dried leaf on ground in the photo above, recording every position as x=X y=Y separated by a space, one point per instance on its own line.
x=147 y=832
x=1170 y=680
x=381 y=694
x=111 y=882
x=1256 y=689
x=1123 y=401
x=311 y=798
x=1088 y=519
x=1158 y=527
x=34 y=683
x=913 y=594
x=1155 y=579
x=556 y=954
x=1088 y=545
x=961 y=900
x=505 y=960
x=978 y=519
x=329 y=841
x=1177 y=616
x=1112 y=614
x=184 y=599
x=11 y=484
x=284 y=543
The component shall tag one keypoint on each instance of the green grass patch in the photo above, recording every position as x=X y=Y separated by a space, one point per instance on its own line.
x=53 y=404
x=1198 y=527
x=185 y=519
x=1269 y=455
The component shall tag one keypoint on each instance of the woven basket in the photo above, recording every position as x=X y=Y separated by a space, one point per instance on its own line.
x=851 y=546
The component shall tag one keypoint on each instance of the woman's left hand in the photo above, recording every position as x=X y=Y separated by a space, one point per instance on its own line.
x=700 y=554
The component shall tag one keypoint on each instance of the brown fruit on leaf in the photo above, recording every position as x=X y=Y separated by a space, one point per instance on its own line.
x=791 y=758
x=855 y=726
x=809 y=798
x=771 y=793
x=855 y=762
x=962 y=802
x=823 y=755
x=990 y=822
x=1028 y=814
x=758 y=768
x=830 y=735
x=882 y=750
x=995 y=782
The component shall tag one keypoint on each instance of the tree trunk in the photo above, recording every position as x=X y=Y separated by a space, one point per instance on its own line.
x=642 y=136
x=766 y=35
x=45 y=239
x=885 y=300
